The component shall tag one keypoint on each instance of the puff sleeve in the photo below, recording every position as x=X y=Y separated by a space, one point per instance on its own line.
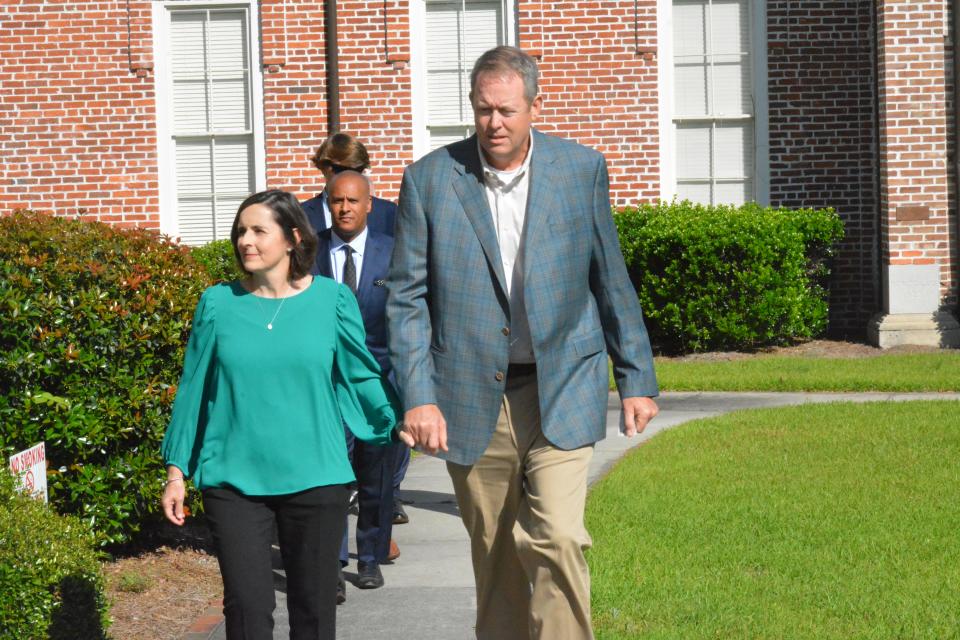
x=184 y=436
x=368 y=404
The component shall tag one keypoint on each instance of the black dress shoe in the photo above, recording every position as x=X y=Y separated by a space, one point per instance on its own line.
x=341 y=588
x=369 y=576
x=353 y=506
x=399 y=514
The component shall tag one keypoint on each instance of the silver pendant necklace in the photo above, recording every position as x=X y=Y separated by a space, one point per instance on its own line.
x=275 y=313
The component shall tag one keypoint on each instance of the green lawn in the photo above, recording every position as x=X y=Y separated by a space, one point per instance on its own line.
x=816 y=522
x=903 y=372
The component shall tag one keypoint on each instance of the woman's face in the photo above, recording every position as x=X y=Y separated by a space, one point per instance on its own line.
x=260 y=241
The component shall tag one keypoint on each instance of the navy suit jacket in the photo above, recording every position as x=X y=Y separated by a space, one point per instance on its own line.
x=371 y=290
x=381 y=217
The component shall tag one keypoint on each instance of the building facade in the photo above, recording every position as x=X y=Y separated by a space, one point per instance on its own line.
x=166 y=113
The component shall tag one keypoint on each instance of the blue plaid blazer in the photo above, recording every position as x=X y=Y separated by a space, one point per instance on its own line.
x=447 y=304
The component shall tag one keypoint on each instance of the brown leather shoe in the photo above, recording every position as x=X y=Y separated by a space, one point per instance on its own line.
x=394 y=552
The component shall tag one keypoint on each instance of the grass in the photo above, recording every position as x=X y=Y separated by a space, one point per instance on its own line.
x=896 y=372
x=826 y=521
x=131 y=582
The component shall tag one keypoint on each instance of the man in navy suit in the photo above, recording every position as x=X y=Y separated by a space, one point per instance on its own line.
x=353 y=253
x=342 y=152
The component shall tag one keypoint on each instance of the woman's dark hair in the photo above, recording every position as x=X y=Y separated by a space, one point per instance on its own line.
x=288 y=214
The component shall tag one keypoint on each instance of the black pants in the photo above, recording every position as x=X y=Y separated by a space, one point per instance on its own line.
x=310 y=526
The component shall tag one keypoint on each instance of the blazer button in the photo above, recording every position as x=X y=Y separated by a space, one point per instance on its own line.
x=499 y=376
x=505 y=331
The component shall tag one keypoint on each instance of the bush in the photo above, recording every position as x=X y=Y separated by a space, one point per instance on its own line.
x=725 y=277
x=96 y=321
x=50 y=580
x=218 y=259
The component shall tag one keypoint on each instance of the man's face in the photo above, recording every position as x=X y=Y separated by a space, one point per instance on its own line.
x=350 y=202
x=503 y=118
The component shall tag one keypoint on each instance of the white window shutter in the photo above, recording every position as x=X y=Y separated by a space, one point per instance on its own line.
x=457 y=33
x=212 y=134
x=713 y=101
x=229 y=73
x=188 y=63
x=689 y=29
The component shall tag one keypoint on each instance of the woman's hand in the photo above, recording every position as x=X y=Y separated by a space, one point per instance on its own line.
x=405 y=437
x=173 y=495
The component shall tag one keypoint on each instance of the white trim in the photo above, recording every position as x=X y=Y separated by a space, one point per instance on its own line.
x=418 y=78
x=761 y=107
x=418 y=68
x=166 y=177
x=665 y=80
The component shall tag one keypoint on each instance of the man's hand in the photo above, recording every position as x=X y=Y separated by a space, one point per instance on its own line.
x=637 y=412
x=426 y=428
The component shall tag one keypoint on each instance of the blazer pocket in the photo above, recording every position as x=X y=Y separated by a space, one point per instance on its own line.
x=589 y=344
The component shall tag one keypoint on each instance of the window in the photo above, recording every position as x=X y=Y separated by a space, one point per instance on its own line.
x=455 y=32
x=717 y=92
x=208 y=133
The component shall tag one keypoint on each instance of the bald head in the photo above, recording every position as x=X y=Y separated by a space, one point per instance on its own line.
x=348 y=196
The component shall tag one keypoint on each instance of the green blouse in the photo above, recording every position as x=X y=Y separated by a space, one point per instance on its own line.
x=261 y=410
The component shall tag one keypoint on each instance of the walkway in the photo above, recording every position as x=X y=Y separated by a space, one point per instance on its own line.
x=429 y=589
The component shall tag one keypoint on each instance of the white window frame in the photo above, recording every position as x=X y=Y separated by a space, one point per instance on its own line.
x=164 y=100
x=418 y=67
x=761 y=122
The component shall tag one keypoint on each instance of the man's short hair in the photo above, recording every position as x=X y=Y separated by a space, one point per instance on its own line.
x=506 y=59
x=341 y=150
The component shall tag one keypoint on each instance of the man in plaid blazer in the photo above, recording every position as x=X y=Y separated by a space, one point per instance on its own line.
x=507 y=292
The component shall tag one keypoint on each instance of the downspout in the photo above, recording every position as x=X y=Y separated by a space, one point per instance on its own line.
x=956 y=112
x=956 y=102
x=333 y=66
x=878 y=197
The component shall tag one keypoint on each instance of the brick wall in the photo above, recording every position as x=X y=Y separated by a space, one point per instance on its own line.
x=77 y=120
x=375 y=102
x=599 y=81
x=77 y=133
x=822 y=136
x=918 y=210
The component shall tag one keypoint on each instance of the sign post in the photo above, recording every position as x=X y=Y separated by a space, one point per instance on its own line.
x=30 y=468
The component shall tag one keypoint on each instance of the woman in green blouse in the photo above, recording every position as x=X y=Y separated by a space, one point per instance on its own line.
x=276 y=363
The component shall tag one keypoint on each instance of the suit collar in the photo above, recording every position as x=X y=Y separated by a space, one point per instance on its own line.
x=468 y=185
x=541 y=199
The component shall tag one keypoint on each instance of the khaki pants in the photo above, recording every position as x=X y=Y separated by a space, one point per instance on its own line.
x=522 y=503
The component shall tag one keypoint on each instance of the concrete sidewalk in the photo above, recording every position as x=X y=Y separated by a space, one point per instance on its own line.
x=429 y=589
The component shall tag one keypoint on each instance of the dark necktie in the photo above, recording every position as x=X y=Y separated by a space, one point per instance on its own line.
x=349 y=269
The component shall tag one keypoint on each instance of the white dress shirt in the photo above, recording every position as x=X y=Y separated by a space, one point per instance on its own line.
x=507 y=196
x=337 y=254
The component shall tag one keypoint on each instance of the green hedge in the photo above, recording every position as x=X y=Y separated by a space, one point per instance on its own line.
x=725 y=277
x=96 y=320
x=218 y=259
x=50 y=581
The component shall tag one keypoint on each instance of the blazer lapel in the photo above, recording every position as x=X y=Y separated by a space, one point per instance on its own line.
x=324 y=268
x=373 y=256
x=468 y=184
x=541 y=199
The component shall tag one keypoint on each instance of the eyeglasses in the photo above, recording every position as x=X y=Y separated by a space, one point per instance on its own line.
x=339 y=168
